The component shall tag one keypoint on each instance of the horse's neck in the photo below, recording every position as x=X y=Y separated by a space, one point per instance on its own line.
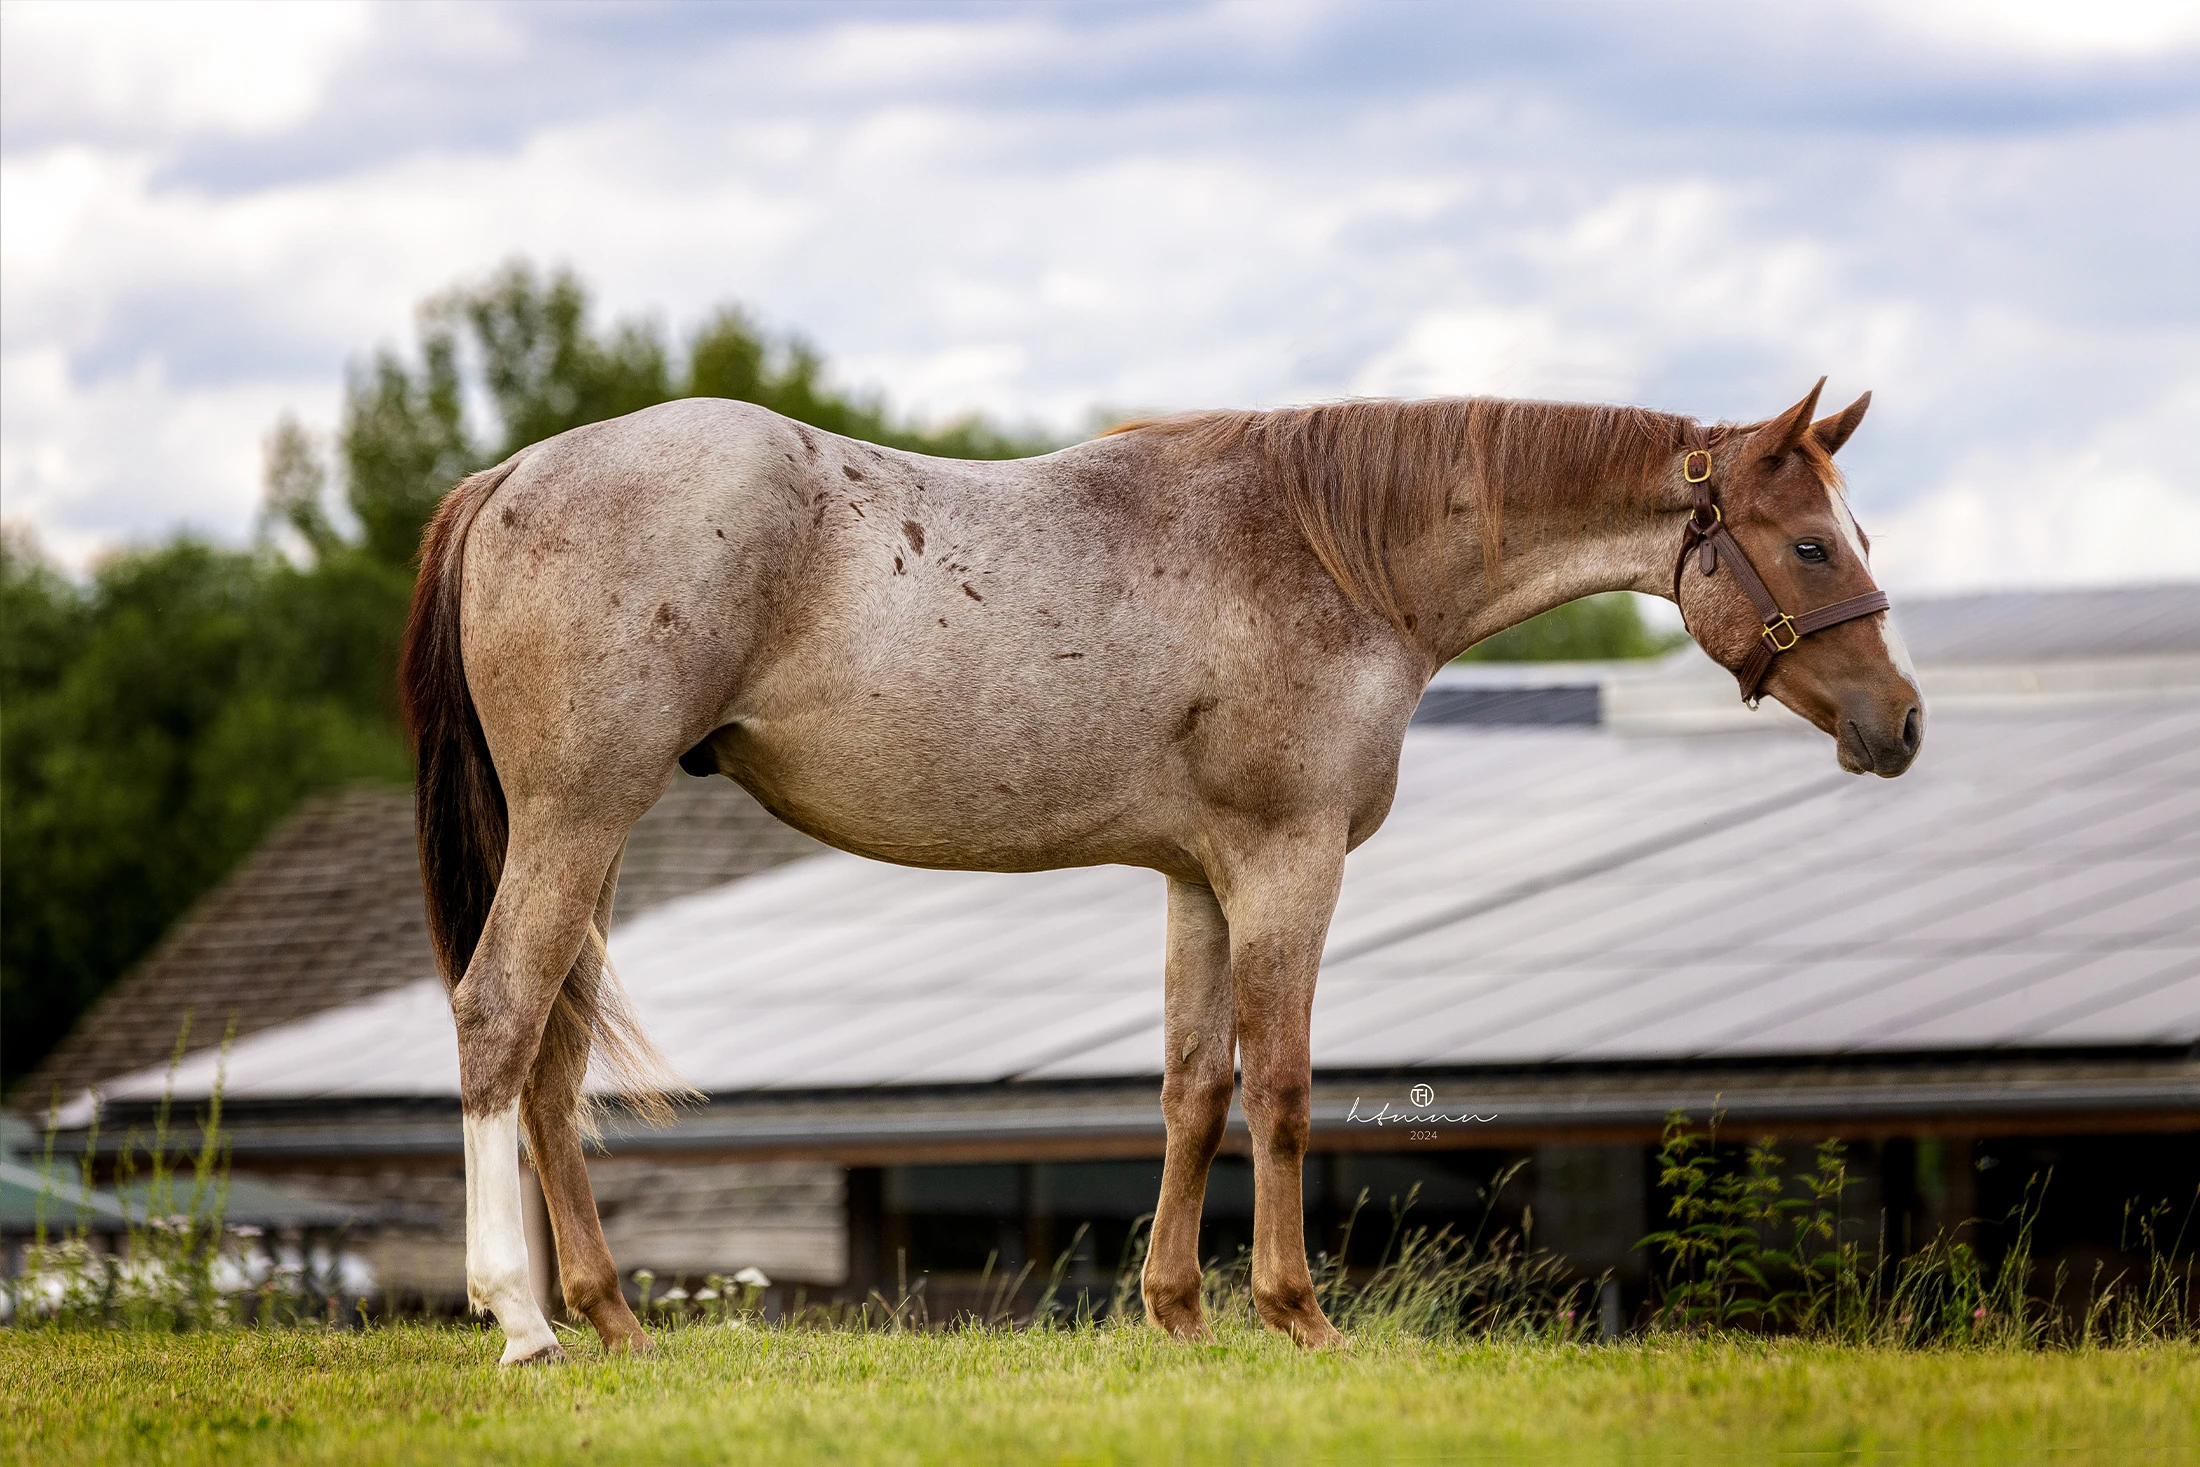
x=1611 y=540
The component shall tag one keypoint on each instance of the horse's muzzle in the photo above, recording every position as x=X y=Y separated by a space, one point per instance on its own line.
x=1884 y=743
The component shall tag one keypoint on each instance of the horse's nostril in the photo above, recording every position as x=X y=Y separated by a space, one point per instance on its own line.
x=1911 y=733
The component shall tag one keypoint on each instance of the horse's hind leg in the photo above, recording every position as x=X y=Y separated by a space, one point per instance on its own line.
x=1198 y=1067
x=1279 y=900
x=550 y=1106
x=546 y=899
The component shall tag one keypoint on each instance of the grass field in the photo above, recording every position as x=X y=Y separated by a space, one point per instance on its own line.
x=1103 y=1395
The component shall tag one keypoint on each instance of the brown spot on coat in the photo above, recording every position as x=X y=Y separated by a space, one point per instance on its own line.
x=1189 y=723
x=851 y=471
x=970 y=593
x=915 y=532
x=897 y=565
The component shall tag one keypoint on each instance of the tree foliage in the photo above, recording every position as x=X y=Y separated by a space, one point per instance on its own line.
x=153 y=723
x=1593 y=629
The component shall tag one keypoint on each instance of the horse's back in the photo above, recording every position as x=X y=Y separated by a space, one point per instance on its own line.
x=994 y=664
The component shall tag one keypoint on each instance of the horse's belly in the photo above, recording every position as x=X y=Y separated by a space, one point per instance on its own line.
x=964 y=778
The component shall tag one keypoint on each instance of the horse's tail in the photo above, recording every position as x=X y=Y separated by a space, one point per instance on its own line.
x=463 y=825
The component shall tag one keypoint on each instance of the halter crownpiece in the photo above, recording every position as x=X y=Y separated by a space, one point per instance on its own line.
x=1706 y=533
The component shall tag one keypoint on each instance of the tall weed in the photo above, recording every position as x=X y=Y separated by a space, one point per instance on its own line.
x=1755 y=1249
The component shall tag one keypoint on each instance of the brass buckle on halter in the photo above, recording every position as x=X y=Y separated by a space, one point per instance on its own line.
x=1688 y=465
x=1773 y=629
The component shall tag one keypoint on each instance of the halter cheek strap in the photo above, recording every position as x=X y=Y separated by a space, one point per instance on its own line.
x=1708 y=536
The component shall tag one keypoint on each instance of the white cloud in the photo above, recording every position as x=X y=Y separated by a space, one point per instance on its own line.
x=1500 y=353
x=2052 y=27
x=243 y=67
x=165 y=455
x=2122 y=505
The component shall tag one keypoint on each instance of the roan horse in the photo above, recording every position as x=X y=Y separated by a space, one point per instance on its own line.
x=1191 y=644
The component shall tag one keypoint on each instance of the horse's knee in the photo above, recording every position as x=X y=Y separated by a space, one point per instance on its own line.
x=1196 y=1104
x=1279 y=1112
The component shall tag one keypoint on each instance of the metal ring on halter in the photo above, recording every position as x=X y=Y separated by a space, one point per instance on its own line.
x=1688 y=465
x=1773 y=629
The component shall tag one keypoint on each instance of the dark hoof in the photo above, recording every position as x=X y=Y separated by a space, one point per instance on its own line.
x=550 y=1354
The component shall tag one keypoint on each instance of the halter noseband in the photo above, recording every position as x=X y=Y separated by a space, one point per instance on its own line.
x=1708 y=534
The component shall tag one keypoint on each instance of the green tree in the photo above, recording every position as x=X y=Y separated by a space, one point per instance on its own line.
x=153 y=724
x=1595 y=628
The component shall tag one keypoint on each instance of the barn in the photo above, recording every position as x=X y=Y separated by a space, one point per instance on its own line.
x=1605 y=894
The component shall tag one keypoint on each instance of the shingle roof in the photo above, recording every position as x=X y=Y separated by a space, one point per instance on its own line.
x=327 y=911
x=1538 y=896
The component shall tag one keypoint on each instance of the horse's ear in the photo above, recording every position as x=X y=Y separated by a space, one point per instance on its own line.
x=1783 y=434
x=1832 y=432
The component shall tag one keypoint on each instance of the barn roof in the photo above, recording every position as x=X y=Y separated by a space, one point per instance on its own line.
x=327 y=912
x=2026 y=626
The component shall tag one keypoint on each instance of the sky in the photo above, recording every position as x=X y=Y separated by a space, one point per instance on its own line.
x=1984 y=211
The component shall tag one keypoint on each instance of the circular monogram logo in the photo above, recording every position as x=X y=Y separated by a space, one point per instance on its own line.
x=1422 y=1096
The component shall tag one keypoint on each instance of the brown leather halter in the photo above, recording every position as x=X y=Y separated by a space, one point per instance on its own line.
x=1708 y=534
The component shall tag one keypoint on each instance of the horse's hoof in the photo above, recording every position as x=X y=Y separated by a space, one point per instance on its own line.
x=1328 y=1337
x=1307 y=1326
x=620 y=1331
x=1185 y=1326
x=550 y=1354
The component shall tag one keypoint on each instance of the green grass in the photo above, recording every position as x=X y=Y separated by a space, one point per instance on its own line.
x=1099 y=1394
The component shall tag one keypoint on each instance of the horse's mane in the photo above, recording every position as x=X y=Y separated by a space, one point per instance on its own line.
x=1363 y=478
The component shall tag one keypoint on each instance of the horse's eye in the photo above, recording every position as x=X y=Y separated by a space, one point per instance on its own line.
x=1811 y=551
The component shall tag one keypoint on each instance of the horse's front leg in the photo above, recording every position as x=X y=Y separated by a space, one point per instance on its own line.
x=1278 y=899
x=1198 y=1066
